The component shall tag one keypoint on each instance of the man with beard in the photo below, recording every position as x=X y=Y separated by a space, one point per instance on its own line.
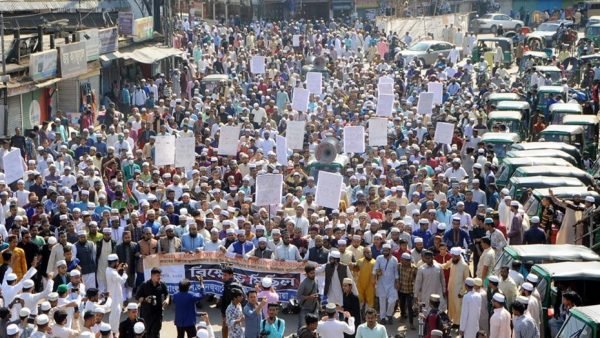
x=365 y=278
x=104 y=248
x=470 y=311
x=459 y=272
x=169 y=243
x=335 y=272
x=386 y=274
x=85 y=251
x=153 y=297
x=430 y=280
x=128 y=253
x=261 y=251
x=115 y=279
x=351 y=303
x=287 y=251
x=241 y=246
x=308 y=294
x=191 y=241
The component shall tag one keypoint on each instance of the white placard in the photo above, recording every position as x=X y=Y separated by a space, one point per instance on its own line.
x=185 y=152
x=329 y=188
x=425 y=104
x=385 y=79
x=437 y=89
x=282 y=149
x=14 y=166
x=269 y=188
x=354 y=139
x=164 y=150
x=257 y=64
x=296 y=40
x=228 y=140
x=385 y=88
x=294 y=135
x=314 y=82
x=300 y=99
x=385 y=105
x=377 y=132
x=444 y=132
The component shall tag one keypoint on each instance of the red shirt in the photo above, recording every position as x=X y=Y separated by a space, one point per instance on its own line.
x=443 y=259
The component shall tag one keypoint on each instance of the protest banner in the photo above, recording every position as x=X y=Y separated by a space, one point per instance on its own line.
x=300 y=99
x=294 y=134
x=425 y=105
x=385 y=88
x=164 y=150
x=377 y=132
x=257 y=64
x=314 y=82
x=228 y=140
x=14 y=166
x=329 y=187
x=268 y=189
x=282 y=149
x=444 y=132
x=176 y=266
x=354 y=139
x=185 y=152
x=385 y=105
x=437 y=89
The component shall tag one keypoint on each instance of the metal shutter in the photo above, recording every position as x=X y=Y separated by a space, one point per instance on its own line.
x=68 y=96
x=15 y=116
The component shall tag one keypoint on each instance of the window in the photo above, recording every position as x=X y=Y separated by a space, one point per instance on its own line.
x=575 y=328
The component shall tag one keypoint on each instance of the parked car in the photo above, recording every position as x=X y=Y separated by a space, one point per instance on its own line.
x=546 y=33
x=491 y=22
x=427 y=52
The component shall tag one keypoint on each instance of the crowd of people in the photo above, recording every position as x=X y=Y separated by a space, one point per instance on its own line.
x=414 y=240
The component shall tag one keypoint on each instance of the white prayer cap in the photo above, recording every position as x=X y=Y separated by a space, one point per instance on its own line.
x=53 y=296
x=456 y=251
x=418 y=240
x=105 y=327
x=498 y=297
x=469 y=282
x=28 y=283
x=42 y=319
x=532 y=278
x=139 y=328
x=514 y=204
x=52 y=240
x=113 y=257
x=334 y=254
x=61 y=263
x=341 y=242
x=386 y=246
x=267 y=282
x=75 y=273
x=494 y=279
x=523 y=300
x=406 y=256
x=45 y=306
x=12 y=329
x=132 y=306
x=11 y=277
x=24 y=312
x=527 y=286
x=590 y=199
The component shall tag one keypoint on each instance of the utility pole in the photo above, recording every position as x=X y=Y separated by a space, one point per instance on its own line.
x=4 y=76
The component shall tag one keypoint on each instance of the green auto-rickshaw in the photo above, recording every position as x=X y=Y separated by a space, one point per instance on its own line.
x=512 y=119
x=582 y=322
x=494 y=98
x=543 y=153
x=559 y=110
x=589 y=123
x=487 y=46
x=545 y=93
x=564 y=193
x=558 y=171
x=510 y=165
x=581 y=277
x=518 y=186
x=567 y=148
x=500 y=142
x=593 y=33
x=553 y=72
x=572 y=135
x=521 y=106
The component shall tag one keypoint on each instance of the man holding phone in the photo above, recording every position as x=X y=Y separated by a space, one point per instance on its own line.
x=253 y=314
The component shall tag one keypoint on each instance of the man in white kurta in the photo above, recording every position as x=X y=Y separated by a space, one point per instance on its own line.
x=459 y=272
x=485 y=315
x=385 y=272
x=507 y=285
x=332 y=327
x=471 y=309
x=115 y=279
x=500 y=320
x=533 y=306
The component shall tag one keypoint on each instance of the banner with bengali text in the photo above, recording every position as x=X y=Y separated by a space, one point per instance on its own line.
x=247 y=272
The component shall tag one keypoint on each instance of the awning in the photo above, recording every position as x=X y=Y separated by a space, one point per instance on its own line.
x=149 y=55
x=20 y=6
x=48 y=83
x=110 y=56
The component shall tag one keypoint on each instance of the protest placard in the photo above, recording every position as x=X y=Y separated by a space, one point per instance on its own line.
x=296 y=40
x=314 y=82
x=385 y=88
x=300 y=99
x=444 y=132
x=228 y=140
x=425 y=105
x=354 y=139
x=282 y=149
x=377 y=132
x=257 y=64
x=437 y=89
x=294 y=134
x=164 y=150
x=385 y=105
x=268 y=189
x=385 y=79
x=14 y=166
x=185 y=154
x=329 y=187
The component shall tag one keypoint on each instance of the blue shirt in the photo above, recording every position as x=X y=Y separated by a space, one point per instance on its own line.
x=275 y=330
x=185 y=307
x=252 y=320
x=189 y=243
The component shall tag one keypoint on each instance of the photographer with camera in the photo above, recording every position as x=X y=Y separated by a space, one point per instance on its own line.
x=153 y=297
x=331 y=327
x=272 y=326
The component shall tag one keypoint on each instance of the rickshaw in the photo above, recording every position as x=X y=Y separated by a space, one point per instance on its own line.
x=510 y=165
x=494 y=98
x=544 y=253
x=535 y=208
x=558 y=111
x=544 y=93
x=543 y=153
x=518 y=186
x=485 y=48
x=582 y=322
x=556 y=171
x=513 y=120
x=581 y=277
x=500 y=142
x=592 y=32
x=531 y=58
x=567 y=148
x=523 y=107
x=589 y=123
x=554 y=72
x=572 y=135
x=214 y=82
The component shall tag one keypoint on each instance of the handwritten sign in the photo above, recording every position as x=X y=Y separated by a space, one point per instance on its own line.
x=185 y=154
x=164 y=150
x=14 y=166
x=354 y=139
x=329 y=187
x=300 y=99
x=296 y=40
x=444 y=132
x=314 y=82
x=438 y=92
x=385 y=88
x=425 y=105
x=228 y=140
x=377 y=132
x=282 y=149
x=294 y=134
x=257 y=64
x=385 y=105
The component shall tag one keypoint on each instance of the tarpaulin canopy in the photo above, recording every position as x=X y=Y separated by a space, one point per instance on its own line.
x=145 y=55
